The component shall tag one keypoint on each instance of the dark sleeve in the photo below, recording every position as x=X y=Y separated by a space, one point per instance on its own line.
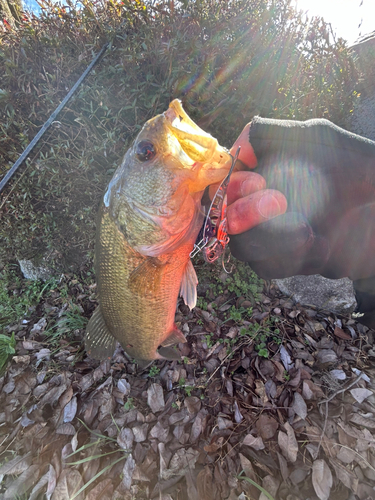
x=317 y=138
x=328 y=177
x=313 y=163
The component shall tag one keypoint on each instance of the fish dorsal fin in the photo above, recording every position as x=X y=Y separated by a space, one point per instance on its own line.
x=188 y=290
x=99 y=343
x=175 y=336
x=145 y=279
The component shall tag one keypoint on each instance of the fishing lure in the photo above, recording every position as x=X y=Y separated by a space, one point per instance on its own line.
x=215 y=236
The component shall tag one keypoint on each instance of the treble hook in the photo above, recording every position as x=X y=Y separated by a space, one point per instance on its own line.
x=215 y=237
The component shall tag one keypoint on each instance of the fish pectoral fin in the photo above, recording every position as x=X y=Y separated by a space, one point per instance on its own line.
x=99 y=342
x=174 y=337
x=188 y=290
x=145 y=279
x=169 y=353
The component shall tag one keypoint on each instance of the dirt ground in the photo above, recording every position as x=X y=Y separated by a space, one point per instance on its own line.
x=270 y=400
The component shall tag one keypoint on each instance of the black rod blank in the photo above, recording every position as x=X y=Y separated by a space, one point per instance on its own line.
x=50 y=120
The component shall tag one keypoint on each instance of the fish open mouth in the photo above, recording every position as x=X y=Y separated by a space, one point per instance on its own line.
x=196 y=143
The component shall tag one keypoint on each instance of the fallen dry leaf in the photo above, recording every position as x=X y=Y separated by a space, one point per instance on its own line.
x=23 y=483
x=347 y=477
x=266 y=426
x=254 y=442
x=123 y=386
x=70 y=410
x=159 y=432
x=299 y=406
x=288 y=443
x=181 y=461
x=271 y=485
x=16 y=466
x=39 y=487
x=70 y=481
x=338 y=374
x=339 y=332
x=205 y=485
x=283 y=466
x=52 y=480
x=193 y=404
x=125 y=439
x=102 y=491
x=360 y=394
x=140 y=432
x=127 y=472
x=322 y=479
x=155 y=398
x=356 y=418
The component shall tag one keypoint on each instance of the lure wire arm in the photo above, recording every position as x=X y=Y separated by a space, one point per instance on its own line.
x=215 y=237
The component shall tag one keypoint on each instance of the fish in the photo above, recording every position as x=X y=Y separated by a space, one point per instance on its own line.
x=148 y=222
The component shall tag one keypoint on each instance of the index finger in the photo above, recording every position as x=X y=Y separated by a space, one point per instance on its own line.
x=241 y=184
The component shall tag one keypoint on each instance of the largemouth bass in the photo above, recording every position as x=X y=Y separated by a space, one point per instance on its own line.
x=147 y=225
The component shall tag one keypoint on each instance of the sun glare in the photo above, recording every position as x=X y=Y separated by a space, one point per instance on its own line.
x=350 y=19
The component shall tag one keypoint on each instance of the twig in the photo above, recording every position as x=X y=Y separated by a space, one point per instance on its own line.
x=358 y=454
x=341 y=390
x=324 y=428
x=326 y=401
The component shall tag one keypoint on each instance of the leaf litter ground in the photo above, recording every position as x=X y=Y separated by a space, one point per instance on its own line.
x=270 y=400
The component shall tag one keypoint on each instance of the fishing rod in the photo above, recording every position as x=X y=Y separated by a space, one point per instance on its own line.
x=4 y=181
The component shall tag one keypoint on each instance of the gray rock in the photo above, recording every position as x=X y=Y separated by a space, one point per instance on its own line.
x=36 y=271
x=323 y=293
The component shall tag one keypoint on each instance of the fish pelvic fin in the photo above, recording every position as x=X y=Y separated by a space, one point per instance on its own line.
x=99 y=342
x=144 y=363
x=165 y=350
x=166 y=353
x=174 y=337
x=145 y=279
x=188 y=290
x=169 y=353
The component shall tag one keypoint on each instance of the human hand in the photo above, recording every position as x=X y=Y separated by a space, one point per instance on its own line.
x=249 y=202
x=328 y=178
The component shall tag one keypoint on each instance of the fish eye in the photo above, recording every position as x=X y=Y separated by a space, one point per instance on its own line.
x=145 y=151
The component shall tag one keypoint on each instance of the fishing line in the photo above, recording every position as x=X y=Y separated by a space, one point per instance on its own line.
x=4 y=181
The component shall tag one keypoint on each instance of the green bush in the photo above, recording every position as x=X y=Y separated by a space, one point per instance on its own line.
x=227 y=61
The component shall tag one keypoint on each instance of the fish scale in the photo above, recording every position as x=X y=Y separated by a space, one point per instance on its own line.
x=140 y=320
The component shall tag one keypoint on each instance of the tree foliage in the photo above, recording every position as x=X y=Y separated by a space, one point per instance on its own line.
x=226 y=60
x=10 y=11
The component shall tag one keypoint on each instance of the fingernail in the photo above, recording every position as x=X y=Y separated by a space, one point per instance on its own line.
x=269 y=206
x=243 y=187
x=249 y=185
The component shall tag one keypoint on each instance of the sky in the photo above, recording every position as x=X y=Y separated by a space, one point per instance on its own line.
x=345 y=16
x=349 y=19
